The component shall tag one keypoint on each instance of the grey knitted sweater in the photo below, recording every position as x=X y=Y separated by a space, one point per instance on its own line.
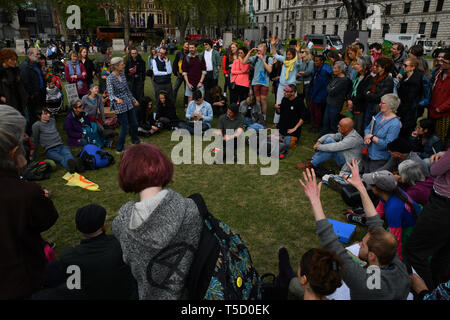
x=159 y=250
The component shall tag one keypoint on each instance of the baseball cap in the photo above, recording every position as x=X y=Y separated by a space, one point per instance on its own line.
x=383 y=180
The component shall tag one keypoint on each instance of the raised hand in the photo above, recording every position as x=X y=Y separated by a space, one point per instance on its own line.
x=310 y=186
x=355 y=180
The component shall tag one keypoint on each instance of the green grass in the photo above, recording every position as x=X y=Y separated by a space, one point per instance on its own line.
x=268 y=211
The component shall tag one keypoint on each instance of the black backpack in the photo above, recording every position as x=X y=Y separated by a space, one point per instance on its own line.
x=222 y=268
x=36 y=171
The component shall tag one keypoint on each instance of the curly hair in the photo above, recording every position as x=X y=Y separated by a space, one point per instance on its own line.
x=6 y=54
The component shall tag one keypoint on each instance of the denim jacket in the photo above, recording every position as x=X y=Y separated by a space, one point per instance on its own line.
x=386 y=132
x=207 y=112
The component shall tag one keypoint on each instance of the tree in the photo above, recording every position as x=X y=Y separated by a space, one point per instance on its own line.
x=180 y=11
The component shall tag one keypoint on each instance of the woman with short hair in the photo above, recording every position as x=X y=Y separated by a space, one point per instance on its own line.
x=93 y=104
x=157 y=228
x=123 y=103
x=383 y=129
x=12 y=91
x=414 y=182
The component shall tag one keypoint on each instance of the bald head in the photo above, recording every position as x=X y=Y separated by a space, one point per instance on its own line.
x=345 y=126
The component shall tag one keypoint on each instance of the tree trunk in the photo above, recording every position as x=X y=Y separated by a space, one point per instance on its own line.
x=62 y=22
x=182 y=27
x=126 y=23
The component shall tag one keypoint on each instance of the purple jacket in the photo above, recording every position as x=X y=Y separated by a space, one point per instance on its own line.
x=73 y=128
x=421 y=191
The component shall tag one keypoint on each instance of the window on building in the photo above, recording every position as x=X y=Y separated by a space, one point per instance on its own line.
x=386 y=29
x=313 y=29
x=325 y=14
x=267 y=4
x=336 y=29
x=160 y=18
x=278 y=18
x=276 y=31
x=293 y=16
x=370 y=33
x=338 y=12
x=111 y=15
x=439 y=6
x=407 y=8
x=265 y=18
x=259 y=5
x=426 y=6
x=403 y=28
x=314 y=14
x=434 y=30
x=257 y=18
x=324 y=29
x=388 y=10
x=279 y=4
x=422 y=27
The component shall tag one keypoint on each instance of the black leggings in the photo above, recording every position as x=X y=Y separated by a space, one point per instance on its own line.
x=239 y=94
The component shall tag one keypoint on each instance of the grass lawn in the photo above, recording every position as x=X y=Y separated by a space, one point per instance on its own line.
x=268 y=211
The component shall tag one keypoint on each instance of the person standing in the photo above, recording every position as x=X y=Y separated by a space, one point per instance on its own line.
x=76 y=73
x=34 y=84
x=194 y=71
x=135 y=74
x=399 y=55
x=239 y=80
x=88 y=64
x=227 y=63
x=123 y=103
x=162 y=73
x=12 y=91
x=102 y=67
x=213 y=66
x=178 y=72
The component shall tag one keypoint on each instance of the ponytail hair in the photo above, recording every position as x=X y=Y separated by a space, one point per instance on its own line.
x=321 y=268
x=407 y=200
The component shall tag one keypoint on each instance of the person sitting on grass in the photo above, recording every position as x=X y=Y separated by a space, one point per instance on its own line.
x=198 y=111
x=218 y=100
x=343 y=147
x=231 y=126
x=165 y=113
x=414 y=182
x=318 y=274
x=441 y=292
x=292 y=113
x=400 y=150
x=146 y=119
x=378 y=247
x=46 y=134
x=425 y=142
x=250 y=109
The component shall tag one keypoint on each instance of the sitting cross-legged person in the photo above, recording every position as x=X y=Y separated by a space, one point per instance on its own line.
x=401 y=150
x=46 y=134
x=198 y=112
x=253 y=116
x=230 y=128
x=342 y=147
x=425 y=142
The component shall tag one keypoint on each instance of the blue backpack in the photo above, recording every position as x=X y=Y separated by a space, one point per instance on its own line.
x=95 y=158
x=222 y=268
x=90 y=133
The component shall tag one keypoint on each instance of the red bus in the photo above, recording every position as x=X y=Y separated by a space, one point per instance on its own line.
x=136 y=34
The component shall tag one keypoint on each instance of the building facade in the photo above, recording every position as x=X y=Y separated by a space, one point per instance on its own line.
x=295 y=19
x=147 y=15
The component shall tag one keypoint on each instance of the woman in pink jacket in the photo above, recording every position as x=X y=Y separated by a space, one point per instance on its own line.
x=239 y=78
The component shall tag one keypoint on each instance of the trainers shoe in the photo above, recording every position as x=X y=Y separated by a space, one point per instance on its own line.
x=356 y=219
x=72 y=165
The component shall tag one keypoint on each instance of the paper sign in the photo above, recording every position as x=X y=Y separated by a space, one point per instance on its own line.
x=72 y=93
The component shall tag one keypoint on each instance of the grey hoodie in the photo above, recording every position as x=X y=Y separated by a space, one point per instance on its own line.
x=351 y=147
x=159 y=237
x=394 y=280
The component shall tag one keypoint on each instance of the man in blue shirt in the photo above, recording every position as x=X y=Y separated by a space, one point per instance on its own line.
x=198 y=111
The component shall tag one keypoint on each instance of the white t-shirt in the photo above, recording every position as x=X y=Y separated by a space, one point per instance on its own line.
x=208 y=60
x=310 y=45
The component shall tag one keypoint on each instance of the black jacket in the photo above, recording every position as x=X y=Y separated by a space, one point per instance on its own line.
x=178 y=57
x=167 y=112
x=30 y=79
x=104 y=274
x=11 y=87
x=410 y=92
x=384 y=87
x=140 y=69
x=290 y=114
x=90 y=68
x=25 y=213
x=360 y=99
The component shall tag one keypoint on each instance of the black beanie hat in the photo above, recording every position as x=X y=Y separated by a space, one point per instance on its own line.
x=90 y=218
x=401 y=145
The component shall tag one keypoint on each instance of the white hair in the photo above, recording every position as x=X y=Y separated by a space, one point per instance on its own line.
x=392 y=101
x=12 y=130
x=410 y=171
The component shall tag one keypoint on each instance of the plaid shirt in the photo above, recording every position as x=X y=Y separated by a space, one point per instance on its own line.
x=119 y=89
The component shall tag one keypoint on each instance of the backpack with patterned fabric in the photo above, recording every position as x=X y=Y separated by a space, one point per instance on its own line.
x=222 y=268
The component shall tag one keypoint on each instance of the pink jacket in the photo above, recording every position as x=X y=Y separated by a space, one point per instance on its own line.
x=240 y=73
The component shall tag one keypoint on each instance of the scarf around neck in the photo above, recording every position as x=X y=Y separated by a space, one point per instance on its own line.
x=289 y=64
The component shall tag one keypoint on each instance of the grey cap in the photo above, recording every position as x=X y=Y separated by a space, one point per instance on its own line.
x=383 y=180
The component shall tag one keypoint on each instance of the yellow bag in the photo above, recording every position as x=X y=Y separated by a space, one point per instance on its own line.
x=76 y=180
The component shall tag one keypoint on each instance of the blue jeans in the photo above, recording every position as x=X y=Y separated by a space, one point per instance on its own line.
x=256 y=126
x=321 y=157
x=60 y=154
x=189 y=126
x=330 y=119
x=129 y=123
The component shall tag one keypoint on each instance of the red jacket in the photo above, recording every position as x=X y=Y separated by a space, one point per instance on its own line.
x=441 y=98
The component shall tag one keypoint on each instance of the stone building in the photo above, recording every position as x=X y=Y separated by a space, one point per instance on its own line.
x=295 y=19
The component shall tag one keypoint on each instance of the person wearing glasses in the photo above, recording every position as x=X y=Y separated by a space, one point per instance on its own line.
x=439 y=109
x=410 y=93
x=383 y=129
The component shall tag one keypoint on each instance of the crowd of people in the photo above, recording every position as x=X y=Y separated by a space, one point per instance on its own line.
x=369 y=110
